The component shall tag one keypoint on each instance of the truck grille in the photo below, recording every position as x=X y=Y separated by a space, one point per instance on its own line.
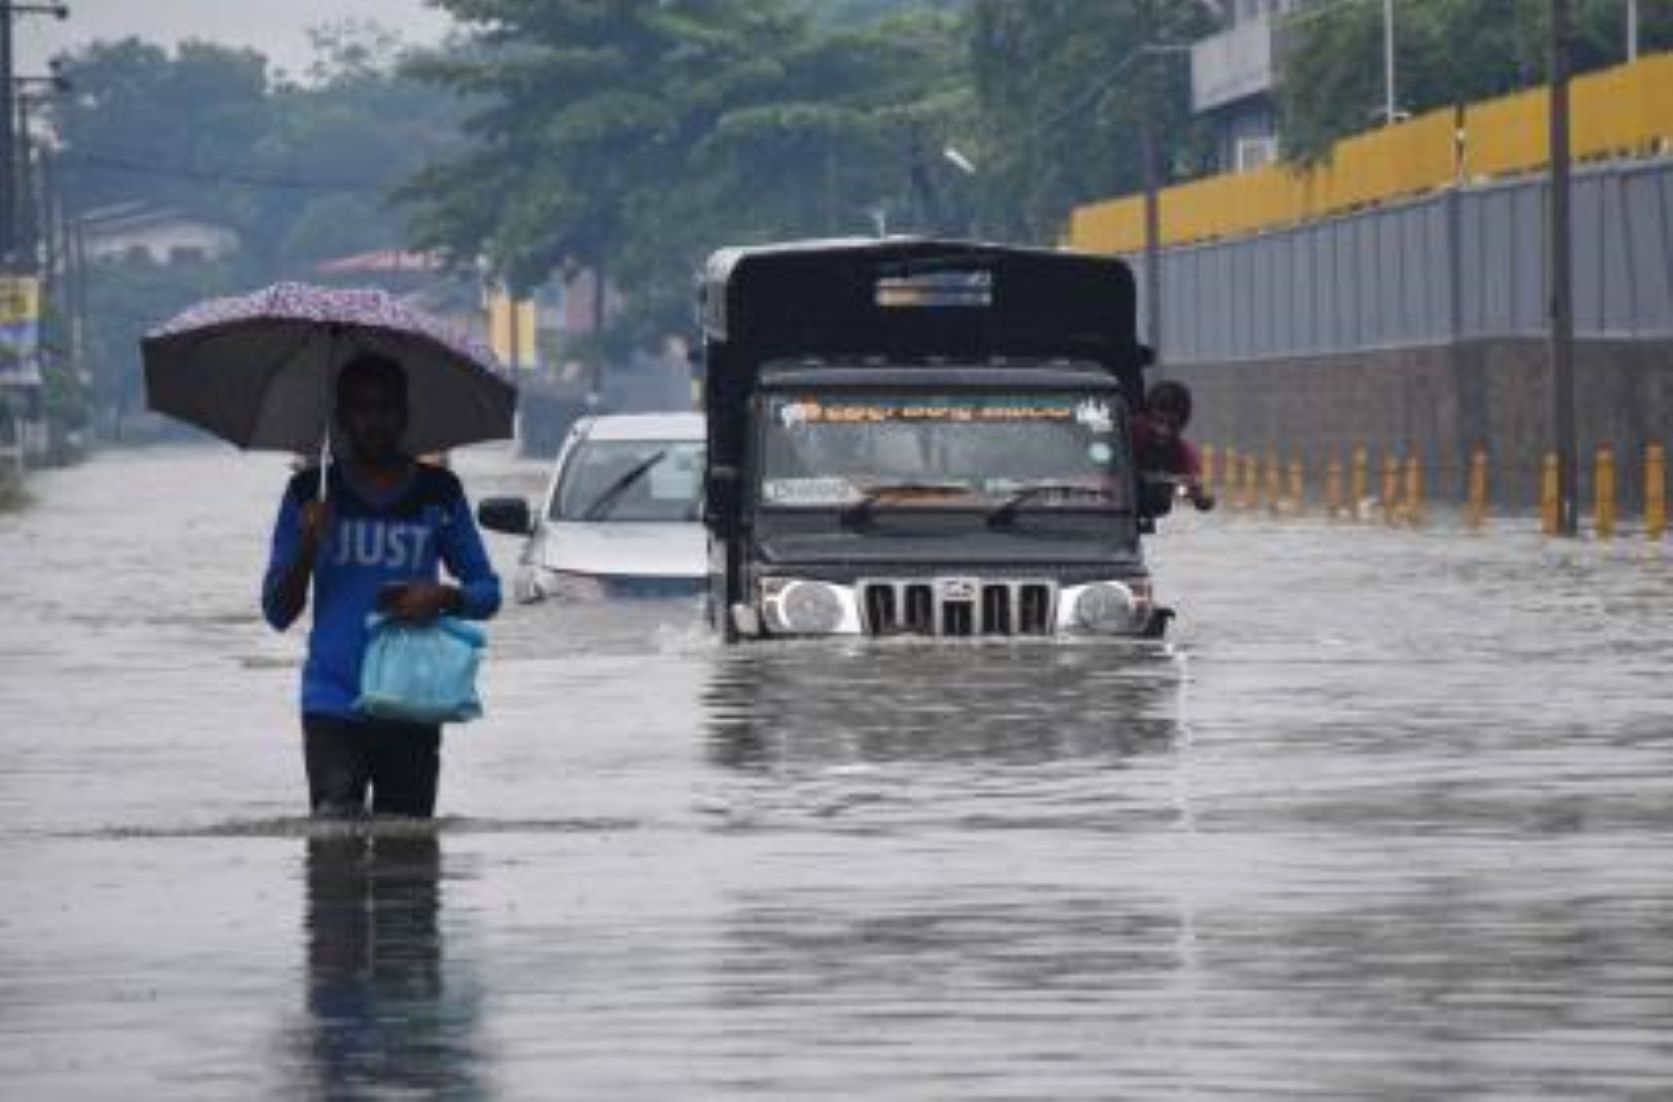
x=958 y=606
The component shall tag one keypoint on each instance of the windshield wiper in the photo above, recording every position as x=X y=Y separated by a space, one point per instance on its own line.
x=601 y=505
x=1005 y=513
x=861 y=510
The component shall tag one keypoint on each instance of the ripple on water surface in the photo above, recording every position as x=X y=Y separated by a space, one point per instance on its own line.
x=1388 y=819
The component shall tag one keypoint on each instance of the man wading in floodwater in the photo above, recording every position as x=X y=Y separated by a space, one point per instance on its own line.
x=374 y=543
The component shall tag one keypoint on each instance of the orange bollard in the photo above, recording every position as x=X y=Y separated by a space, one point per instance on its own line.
x=1603 y=492
x=1274 y=482
x=1359 y=485
x=1390 y=487
x=1412 y=511
x=1550 y=495
x=1475 y=512
x=1333 y=486
x=1233 y=484
x=1207 y=456
x=1251 y=481
x=1655 y=492
x=1297 y=502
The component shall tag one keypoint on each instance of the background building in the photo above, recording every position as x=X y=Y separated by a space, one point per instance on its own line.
x=1233 y=77
x=122 y=231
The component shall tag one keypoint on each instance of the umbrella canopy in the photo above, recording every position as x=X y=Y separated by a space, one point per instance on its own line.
x=259 y=370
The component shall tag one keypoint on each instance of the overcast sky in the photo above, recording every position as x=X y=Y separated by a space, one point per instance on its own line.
x=278 y=28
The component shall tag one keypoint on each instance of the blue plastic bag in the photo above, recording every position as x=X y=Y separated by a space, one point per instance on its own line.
x=421 y=673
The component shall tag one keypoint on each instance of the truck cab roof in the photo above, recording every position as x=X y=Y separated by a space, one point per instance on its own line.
x=912 y=297
x=961 y=376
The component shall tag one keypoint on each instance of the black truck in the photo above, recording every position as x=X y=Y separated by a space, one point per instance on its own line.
x=924 y=437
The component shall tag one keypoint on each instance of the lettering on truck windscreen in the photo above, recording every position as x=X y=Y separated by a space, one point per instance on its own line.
x=822 y=451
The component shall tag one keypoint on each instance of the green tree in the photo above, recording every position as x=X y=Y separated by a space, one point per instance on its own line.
x=299 y=172
x=851 y=135
x=206 y=132
x=144 y=123
x=863 y=12
x=125 y=299
x=588 y=105
x=633 y=136
x=1447 y=52
x=1065 y=90
x=354 y=133
x=164 y=131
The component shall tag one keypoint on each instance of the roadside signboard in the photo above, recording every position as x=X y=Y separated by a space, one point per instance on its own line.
x=20 y=330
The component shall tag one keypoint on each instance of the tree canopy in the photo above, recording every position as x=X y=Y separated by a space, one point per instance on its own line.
x=1064 y=90
x=632 y=136
x=299 y=171
x=1446 y=51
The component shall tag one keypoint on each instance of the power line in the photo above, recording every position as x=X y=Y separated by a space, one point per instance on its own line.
x=1091 y=98
x=117 y=163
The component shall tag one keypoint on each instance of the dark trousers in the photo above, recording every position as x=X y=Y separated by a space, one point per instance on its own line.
x=399 y=762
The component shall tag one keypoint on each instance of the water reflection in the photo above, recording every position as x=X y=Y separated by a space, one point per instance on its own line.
x=960 y=994
x=913 y=947
x=789 y=707
x=972 y=899
x=384 y=1015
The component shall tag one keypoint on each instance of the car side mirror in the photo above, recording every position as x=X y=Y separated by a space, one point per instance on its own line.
x=505 y=514
x=720 y=497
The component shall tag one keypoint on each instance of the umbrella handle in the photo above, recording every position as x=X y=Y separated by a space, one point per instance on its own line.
x=328 y=380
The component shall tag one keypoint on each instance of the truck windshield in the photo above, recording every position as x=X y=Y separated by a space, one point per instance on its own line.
x=1057 y=450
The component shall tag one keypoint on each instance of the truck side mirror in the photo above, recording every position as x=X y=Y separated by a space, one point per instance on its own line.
x=505 y=514
x=721 y=497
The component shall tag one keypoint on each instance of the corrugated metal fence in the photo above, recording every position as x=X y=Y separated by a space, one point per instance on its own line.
x=1454 y=265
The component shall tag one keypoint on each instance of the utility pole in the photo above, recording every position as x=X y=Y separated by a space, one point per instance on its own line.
x=9 y=160
x=1561 y=274
x=32 y=217
x=26 y=238
x=1152 y=240
x=1390 y=100
x=1151 y=99
x=1632 y=30
x=8 y=144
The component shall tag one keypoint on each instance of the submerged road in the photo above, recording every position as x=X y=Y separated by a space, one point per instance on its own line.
x=1392 y=818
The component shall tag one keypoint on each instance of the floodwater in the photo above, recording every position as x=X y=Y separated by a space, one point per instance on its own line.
x=1392 y=818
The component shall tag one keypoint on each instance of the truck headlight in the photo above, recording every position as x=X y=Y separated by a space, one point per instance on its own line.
x=794 y=607
x=1106 y=608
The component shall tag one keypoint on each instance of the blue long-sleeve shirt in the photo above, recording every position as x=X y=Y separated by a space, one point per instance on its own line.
x=372 y=542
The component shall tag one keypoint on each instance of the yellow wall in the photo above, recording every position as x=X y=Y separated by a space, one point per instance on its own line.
x=1625 y=110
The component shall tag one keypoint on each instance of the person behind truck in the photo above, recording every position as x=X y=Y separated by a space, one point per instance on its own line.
x=1159 y=446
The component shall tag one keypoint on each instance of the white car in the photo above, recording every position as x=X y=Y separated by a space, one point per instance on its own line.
x=622 y=516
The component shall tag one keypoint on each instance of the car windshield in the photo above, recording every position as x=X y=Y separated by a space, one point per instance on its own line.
x=630 y=480
x=1055 y=450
